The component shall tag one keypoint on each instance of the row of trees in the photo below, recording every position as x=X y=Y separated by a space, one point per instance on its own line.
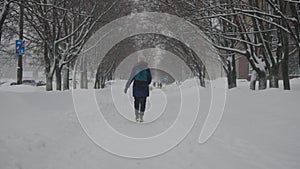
x=59 y=28
x=266 y=32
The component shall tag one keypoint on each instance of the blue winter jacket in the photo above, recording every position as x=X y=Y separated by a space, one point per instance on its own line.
x=140 y=88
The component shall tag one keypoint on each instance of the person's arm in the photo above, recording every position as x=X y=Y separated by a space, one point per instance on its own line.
x=129 y=81
x=149 y=78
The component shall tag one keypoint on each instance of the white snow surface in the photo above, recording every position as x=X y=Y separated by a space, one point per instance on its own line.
x=259 y=130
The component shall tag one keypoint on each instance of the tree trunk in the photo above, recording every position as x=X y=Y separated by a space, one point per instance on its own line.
x=97 y=81
x=74 y=80
x=102 y=82
x=262 y=78
x=66 y=85
x=253 y=85
x=231 y=76
x=253 y=80
x=285 y=47
x=49 y=75
x=110 y=75
x=58 y=78
x=202 y=81
x=202 y=72
x=285 y=63
x=49 y=79
x=274 y=77
x=285 y=74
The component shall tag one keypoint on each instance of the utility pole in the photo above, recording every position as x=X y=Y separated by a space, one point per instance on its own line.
x=21 y=27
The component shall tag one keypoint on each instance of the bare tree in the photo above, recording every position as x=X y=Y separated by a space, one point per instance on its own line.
x=5 y=7
x=64 y=28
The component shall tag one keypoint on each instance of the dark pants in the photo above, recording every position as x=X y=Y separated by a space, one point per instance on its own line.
x=140 y=104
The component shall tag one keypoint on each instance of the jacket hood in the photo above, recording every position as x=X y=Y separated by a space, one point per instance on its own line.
x=142 y=64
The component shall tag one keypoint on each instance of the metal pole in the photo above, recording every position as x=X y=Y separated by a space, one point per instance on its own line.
x=20 y=62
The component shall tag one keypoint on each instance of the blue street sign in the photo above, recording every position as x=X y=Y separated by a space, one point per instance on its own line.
x=20 y=47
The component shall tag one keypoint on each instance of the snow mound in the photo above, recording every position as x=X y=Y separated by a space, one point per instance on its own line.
x=21 y=88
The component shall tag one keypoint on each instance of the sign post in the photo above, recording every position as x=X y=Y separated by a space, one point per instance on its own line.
x=20 y=45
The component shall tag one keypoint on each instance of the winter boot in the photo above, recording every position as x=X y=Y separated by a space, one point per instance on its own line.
x=141 y=118
x=137 y=116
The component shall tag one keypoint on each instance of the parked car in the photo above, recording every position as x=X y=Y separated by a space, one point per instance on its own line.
x=41 y=83
x=29 y=82
x=13 y=83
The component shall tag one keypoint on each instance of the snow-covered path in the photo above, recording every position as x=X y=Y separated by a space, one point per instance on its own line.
x=259 y=130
